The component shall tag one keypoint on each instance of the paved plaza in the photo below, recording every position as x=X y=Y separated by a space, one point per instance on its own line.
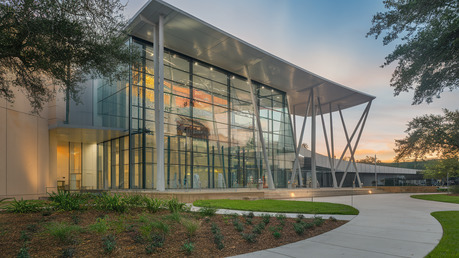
x=389 y=225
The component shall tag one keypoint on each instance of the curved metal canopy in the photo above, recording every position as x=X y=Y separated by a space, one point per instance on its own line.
x=187 y=34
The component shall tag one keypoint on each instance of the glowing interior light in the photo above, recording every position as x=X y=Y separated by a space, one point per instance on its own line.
x=369 y=192
x=292 y=194
x=211 y=68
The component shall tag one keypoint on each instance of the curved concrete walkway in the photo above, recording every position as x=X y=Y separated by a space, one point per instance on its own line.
x=389 y=225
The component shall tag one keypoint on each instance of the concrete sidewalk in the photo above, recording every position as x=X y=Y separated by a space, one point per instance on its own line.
x=389 y=225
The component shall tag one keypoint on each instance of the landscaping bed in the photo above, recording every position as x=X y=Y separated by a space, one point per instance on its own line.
x=141 y=226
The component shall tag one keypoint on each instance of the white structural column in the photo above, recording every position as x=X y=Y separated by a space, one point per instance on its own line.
x=158 y=45
x=260 y=133
x=330 y=157
x=352 y=150
x=313 y=141
x=332 y=143
x=298 y=148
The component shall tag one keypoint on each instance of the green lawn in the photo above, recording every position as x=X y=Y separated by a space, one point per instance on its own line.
x=437 y=197
x=449 y=243
x=280 y=206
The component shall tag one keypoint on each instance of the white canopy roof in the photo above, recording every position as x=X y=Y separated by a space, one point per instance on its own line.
x=187 y=34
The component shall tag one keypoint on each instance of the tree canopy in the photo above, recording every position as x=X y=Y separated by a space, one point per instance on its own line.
x=430 y=135
x=429 y=53
x=61 y=43
x=441 y=168
x=368 y=160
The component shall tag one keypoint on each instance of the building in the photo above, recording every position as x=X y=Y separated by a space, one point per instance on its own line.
x=203 y=109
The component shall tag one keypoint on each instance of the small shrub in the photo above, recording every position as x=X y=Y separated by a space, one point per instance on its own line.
x=23 y=206
x=266 y=218
x=66 y=201
x=454 y=189
x=207 y=211
x=191 y=226
x=23 y=252
x=218 y=237
x=101 y=225
x=318 y=221
x=234 y=215
x=188 y=247
x=250 y=215
x=174 y=217
x=258 y=228
x=248 y=221
x=109 y=202
x=62 y=231
x=175 y=206
x=68 y=252
x=299 y=218
x=46 y=211
x=332 y=219
x=249 y=237
x=153 y=204
x=299 y=228
x=32 y=227
x=281 y=218
x=25 y=236
x=109 y=243
x=134 y=200
x=153 y=228
x=277 y=234
x=308 y=225
x=75 y=219
x=238 y=225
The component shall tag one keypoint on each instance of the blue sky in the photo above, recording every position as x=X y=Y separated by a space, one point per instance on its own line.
x=326 y=37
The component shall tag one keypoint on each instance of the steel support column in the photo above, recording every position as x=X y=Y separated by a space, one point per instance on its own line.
x=330 y=157
x=158 y=45
x=352 y=150
x=313 y=142
x=262 y=140
x=332 y=143
x=300 y=140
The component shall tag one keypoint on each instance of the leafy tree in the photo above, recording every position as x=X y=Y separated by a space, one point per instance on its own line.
x=428 y=57
x=368 y=160
x=430 y=135
x=61 y=43
x=443 y=167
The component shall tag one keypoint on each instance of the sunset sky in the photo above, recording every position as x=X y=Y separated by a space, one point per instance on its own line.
x=326 y=37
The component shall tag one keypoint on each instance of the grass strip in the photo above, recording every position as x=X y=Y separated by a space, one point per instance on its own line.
x=437 y=197
x=267 y=205
x=448 y=246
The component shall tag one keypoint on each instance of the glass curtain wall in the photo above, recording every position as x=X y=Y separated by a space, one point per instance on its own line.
x=210 y=134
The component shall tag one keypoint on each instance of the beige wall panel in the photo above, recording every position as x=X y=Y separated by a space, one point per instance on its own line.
x=43 y=156
x=21 y=153
x=89 y=165
x=2 y=103
x=52 y=176
x=2 y=151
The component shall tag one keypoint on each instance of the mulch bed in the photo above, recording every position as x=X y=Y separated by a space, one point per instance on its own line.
x=30 y=230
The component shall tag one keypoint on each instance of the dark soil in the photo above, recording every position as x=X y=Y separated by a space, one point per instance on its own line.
x=30 y=231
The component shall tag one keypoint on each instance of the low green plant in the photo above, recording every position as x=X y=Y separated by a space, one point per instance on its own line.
x=23 y=206
x=318 y=221
x=175 y=206
x=100 y=226
x=67 y=201
x=281 y=218
x=188 y=247
x=135 y=200
x=46 y=211
x=109 y=243
x=62 y=231
x=174 y=217
x=238 y=225
x=32 y=227
x=250 y=215
x=23 y=252
x=454 y=189
x=299 y=228
x=25 y=236
x=153 y=204
x=191 y=226
x=218 y=237
x=299 y=218
x=68 y=252
x=153 y=228
x=75 y=219
x=248 y=221
x=258 y=228
x=249 y=237
x=277 y=234
x=266 y=218
x=207 y=211
x=113 y=202
x=332 y=219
